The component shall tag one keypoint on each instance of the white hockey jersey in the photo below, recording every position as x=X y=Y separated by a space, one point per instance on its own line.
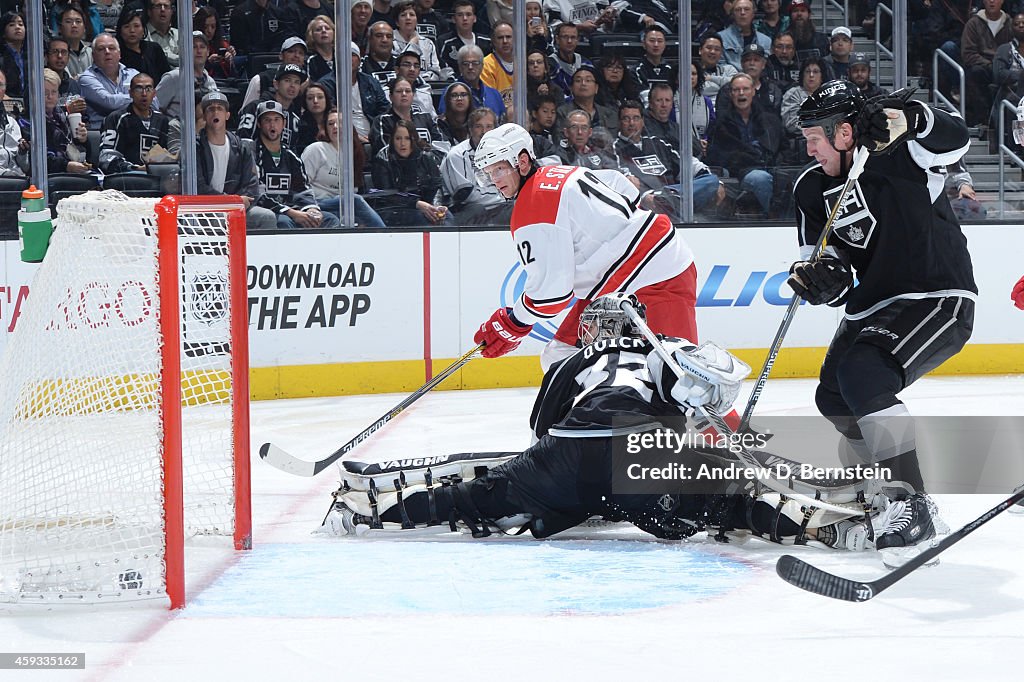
x=579 y=232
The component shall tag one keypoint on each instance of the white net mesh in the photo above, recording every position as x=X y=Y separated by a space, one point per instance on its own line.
x=81 y=444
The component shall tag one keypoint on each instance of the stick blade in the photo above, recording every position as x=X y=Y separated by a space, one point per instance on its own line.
x=807 y=577
x=279 y=459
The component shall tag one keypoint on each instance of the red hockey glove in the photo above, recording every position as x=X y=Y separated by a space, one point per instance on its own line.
x=1017 y=295
x=501 y=334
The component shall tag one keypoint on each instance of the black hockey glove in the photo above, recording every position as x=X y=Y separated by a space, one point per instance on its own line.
x=821 y=281
x=880 y=134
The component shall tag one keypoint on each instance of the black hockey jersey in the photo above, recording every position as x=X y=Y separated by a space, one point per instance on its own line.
x=448 y=51
x=603 y=390
x=383 y=127
x=896 y=227
x=648 y=74
x=283 y=180
x=248 y=130
x=652 y=161
x=126 y=139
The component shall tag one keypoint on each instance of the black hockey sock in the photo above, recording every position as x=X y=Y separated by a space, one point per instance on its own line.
x=905 y=468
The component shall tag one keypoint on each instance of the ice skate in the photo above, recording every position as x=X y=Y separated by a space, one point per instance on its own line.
x=907 y=527
x=344 y=521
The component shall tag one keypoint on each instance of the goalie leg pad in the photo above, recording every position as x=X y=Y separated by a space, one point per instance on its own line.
x=356 y=475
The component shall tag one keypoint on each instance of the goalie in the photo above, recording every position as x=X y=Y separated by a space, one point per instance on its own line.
x=616 y=385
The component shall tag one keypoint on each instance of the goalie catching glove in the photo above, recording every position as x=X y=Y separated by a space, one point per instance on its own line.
x=501 y=334
x=886 y=121
x=825 y=280
x=711 y=376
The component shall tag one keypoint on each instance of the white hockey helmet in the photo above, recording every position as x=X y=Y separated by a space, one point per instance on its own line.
x=1018 y=125
x=504 y=143
x=604 y=318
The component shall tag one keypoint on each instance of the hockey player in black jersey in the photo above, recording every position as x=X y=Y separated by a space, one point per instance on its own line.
x=912 y=305
x=614 y=386
x=128 y=135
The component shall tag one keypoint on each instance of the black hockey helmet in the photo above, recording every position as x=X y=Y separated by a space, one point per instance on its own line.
x=833 y=103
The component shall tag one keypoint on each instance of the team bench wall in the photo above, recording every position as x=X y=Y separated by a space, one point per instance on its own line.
x=344 y=313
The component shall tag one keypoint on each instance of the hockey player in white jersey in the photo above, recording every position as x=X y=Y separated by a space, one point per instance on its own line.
x=580 y=234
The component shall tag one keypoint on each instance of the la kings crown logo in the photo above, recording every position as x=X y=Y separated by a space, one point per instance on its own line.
x=854 y=222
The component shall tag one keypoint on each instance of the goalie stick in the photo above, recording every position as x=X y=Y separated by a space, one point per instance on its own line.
x=811 y=578
x=745 y=457
x=279 y=459
x=860 y=157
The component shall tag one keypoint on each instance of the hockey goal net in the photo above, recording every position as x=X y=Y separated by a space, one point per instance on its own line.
x=124 y=401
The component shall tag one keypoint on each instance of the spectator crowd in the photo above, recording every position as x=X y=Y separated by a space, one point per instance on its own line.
x=430 y=77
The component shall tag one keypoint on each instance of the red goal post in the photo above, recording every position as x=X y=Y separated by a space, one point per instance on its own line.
x=107 y=463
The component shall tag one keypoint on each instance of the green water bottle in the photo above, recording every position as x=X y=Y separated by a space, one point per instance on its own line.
x=34 y=225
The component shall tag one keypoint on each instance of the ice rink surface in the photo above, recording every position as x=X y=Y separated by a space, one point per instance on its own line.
x=597 y=604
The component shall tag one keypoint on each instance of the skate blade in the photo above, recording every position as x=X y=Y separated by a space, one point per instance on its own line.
x=895 y=557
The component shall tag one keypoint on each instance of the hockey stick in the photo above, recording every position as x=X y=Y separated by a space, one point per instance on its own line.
x=278 y=458
x=860 y=157
x=813 y=579
x=745 y=457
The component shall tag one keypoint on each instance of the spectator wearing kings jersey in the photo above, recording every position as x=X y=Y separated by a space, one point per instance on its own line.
x=464 y=15
x=129 y=135
x=588 y=15
x=810 y=42
x=286 y=191
x=225 y=164
x=431 y=25
x=261 y=85
x=402 y=109
x=262 y=25
x=638 y=15
x=405 y=19
x=379 y=61
x=287 y=85
x=574 y=148
x=653 y=68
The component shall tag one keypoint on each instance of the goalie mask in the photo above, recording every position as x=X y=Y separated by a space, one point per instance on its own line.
x=604 y=318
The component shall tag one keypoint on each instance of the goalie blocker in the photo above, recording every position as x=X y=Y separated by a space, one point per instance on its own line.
x=566 y=476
